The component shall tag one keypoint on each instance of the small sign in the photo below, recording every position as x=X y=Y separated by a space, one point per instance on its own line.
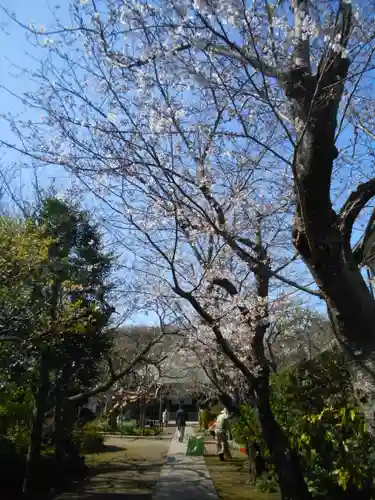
x=195 y=446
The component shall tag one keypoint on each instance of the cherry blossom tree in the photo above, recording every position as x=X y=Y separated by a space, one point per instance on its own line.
x=228 y=313
x=283 y=81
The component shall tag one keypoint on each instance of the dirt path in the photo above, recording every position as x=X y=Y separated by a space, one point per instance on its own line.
x=127 y=469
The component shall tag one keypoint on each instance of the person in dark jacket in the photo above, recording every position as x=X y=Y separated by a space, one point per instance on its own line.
x=181 y=423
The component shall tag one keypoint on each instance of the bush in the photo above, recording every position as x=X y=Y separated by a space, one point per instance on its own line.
x=103 y=426
x=89 y=438
x=127 y=428
x=268 y=482
x=130 y=429
x=316 y=405
x=247 y=428
x=16 y=410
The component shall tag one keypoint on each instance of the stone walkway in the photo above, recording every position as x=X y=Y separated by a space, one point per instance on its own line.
x=182 y=477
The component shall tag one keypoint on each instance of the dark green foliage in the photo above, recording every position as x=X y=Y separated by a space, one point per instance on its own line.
x=55 y=291
x=89 y=439
x=267 y=482
x=78 y=260
x=315 y=404
x=16 y=406
x=130 y=429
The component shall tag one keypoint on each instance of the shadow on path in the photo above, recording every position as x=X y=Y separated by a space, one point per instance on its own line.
x=184 y=477
x=110 y=496
x=125 y=470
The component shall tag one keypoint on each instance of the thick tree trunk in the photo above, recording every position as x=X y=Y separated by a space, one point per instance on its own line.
x=32 y=471
x=346 y=294
x=288 y=468
x=321 y=236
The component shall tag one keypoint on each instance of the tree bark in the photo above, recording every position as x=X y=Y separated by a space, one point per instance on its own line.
x=323 y=249
x=252 y=456
x=61 y=434
x=33 y=456
x=288 y=468
x=323 y=241
x=320 y=235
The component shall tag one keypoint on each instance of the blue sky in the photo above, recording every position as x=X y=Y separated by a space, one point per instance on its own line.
x=15 y=50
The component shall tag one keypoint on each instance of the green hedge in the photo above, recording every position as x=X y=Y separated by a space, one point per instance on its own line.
x=131 y=429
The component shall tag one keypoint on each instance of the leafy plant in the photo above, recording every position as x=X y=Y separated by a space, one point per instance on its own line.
x=130 y=429
x=316 y=405
x=268 y=482
x=89 y=439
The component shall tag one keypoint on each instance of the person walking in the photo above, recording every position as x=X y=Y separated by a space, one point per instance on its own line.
x=165 y=418
x=222 y=429
x=181 y=423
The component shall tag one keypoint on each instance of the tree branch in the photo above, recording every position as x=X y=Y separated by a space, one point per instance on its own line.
x=10 y=338
x=224 y=344
x=302 y=45
x=115 y=376
x=354 y=205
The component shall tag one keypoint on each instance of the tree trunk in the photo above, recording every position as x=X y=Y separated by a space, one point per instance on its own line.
x=321 y=236
x=288 y=468
x=348 y=299
x=252 y=457
x=33 y=456
x=61 y=434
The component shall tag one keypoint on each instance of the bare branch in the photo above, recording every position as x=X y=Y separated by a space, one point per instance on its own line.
x=353 y=206
x=140 y=358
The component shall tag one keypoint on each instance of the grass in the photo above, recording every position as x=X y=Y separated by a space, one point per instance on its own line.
x=230 y=478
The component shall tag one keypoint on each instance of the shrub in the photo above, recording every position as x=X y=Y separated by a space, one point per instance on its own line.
x=268 y=482
x=103 y=426
x=127 y=428
x=247 y=428
x=89 y=438
x=20 y=438
x=130 y=429
x=316 y=405
x=16 y=410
